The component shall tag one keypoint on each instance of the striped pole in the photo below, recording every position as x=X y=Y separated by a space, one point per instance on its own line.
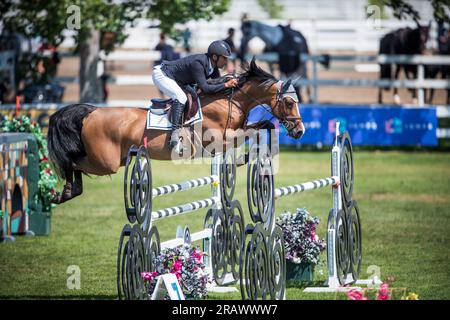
x=184 y=208
x=191 y=184
x=311 y=185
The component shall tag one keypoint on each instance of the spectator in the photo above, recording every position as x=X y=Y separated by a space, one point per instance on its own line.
x=231 y=66
x=167 y=51
x=230 y=40
x=187 y=40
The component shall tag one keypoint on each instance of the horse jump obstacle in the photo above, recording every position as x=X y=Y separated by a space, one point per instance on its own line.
x=260 y=261
x=140 y=243
x=20 y=212
x=344 y=251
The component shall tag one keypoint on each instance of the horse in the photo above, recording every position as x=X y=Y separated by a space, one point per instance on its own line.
x=86 y=139
x=404 y=41
x=285 y=41
x=433 y=71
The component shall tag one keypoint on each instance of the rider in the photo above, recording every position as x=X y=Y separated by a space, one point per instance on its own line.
x=190 y=70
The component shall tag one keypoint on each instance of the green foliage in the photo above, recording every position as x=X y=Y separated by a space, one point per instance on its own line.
x=181 y=11
x=379 y=4
x=441 y=10
x=47 y=178
x=404 y=10
x=272 y=7
x=48 y=19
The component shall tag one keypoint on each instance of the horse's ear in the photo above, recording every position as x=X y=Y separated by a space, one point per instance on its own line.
x=286 y=86
x=416 y=20
x=253 y=62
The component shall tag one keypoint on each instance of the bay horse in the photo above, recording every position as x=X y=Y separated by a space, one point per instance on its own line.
x=86 y=139
x=404 y=41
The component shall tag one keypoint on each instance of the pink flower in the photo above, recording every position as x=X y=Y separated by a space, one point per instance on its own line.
x=356 y=294
x=176 y=268
x=147 y=276
x=198 y=255
x=383 y=292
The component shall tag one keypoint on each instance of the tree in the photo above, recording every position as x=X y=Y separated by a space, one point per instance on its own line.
x=98 y=24
x=272 y=7
x=404 y=10
x=171 y=12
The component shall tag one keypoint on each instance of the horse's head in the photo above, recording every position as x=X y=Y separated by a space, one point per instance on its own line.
x=261 y=88
x=420 y=36
x=285 y=107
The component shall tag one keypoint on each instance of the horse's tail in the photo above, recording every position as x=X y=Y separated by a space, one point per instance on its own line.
x=64 y=136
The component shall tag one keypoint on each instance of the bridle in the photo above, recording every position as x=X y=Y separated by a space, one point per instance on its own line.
x=285 y=119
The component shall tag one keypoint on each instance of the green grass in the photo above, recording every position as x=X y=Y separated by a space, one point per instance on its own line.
x=403 y=199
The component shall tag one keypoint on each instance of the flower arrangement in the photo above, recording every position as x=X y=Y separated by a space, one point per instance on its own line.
x=381 y=292
x=186 y=263
x=301 y=242
x=47 y=178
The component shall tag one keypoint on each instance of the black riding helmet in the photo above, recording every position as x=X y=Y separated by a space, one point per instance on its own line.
x=219 y=48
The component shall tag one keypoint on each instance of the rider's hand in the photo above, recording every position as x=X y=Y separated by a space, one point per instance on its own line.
x=231 y=83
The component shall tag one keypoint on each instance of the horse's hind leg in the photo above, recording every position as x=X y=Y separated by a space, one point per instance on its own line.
x=77 y=184
x=71 y=189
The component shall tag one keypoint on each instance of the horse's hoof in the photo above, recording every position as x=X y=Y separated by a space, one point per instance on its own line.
x=57 y=198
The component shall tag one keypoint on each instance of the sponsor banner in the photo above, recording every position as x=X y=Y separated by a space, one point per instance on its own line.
x=367 y=125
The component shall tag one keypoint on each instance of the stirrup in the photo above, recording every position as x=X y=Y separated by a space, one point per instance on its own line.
x=178 y=147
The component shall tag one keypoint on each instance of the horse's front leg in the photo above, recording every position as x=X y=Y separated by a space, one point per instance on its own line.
x=411 y=74
x=397 y=72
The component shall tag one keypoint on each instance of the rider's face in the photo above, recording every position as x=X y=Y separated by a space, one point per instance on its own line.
x=221 y=61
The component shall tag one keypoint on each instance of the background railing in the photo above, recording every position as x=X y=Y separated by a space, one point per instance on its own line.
x=421 y=83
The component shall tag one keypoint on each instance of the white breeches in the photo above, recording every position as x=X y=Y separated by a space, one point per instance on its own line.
x=168 y=86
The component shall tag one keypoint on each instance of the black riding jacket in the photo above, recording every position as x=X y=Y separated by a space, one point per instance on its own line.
x=191 y=70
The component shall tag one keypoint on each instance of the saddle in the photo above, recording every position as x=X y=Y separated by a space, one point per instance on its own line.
x=163 y=106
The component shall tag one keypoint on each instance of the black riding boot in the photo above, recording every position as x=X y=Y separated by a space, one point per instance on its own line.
x=175 y=118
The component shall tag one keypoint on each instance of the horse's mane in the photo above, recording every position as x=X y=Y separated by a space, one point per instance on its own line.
x=253 y=72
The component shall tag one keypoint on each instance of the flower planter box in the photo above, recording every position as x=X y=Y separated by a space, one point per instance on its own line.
x=297 y=273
